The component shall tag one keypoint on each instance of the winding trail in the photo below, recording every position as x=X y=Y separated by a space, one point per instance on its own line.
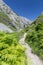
x=34 y=58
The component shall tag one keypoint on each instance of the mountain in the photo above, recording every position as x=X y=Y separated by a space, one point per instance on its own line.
x=27 y=21
x=14 y=21
x=35 y=36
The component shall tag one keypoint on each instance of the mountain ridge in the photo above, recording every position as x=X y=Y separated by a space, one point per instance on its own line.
x=17 y=21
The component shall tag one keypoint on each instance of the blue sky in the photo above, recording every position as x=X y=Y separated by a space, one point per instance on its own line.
x=27 y=8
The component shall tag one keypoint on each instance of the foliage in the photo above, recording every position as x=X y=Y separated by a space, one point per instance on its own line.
x=11 y=52
x=35 y=37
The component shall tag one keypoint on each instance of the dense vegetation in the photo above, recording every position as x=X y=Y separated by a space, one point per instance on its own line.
x=11 y=52
x=35 y=36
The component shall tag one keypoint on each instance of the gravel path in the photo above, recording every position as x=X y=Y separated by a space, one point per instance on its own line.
x=34 y=58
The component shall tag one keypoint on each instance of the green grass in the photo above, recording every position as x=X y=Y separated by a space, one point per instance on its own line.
x=35 y=36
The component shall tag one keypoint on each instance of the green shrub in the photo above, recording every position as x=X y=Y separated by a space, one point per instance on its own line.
x=11 y=52
x=35 y=39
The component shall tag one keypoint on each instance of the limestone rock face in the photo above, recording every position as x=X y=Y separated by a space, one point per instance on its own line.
x=18 y=22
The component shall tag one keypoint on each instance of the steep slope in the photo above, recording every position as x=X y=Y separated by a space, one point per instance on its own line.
x=17 y=21
x=35 y=23
x=35 y=36
x=5 y=22
x=25 y=21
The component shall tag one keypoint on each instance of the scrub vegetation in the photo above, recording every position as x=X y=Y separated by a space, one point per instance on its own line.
x=35 y=36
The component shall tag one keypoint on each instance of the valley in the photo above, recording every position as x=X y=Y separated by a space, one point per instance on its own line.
x=21 y=40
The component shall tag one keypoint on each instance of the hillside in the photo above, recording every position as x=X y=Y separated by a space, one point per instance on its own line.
x=21 y=42
x=35 y=36
x=5 y=21
x=14 y=20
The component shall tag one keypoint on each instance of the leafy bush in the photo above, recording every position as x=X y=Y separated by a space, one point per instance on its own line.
x=35 y=39
x=11 y=52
